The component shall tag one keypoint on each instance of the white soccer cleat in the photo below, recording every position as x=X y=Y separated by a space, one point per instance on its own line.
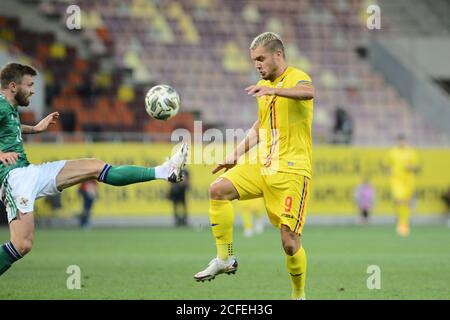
x=216 y=267
x=176 y=163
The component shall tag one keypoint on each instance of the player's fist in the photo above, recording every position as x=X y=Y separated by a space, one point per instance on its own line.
x=44 y=123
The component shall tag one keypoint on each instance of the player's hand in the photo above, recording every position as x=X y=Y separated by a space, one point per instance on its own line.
x=44 y=123
x=229 y=162
x=412 y=169
x=259 y=91
x=9 y=158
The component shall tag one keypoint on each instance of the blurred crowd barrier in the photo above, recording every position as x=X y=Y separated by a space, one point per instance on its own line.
x=337 y=171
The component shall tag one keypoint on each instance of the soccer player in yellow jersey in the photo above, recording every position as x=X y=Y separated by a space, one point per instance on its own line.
x=282 y=172
x=402 y=164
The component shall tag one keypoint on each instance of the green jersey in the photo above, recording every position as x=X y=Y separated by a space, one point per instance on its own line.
x=10 y=136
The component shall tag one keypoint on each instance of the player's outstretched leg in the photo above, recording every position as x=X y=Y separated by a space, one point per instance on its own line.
x=77 y=171
x=221 y=215
x=175 y=164
x=170 y=170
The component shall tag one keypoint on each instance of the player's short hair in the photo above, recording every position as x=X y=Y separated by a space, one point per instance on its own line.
x=268 y=40
x=14 y=72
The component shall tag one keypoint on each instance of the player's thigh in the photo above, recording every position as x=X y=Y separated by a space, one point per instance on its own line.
x=246 y=179
x=286 y=198
x=77 y=171
x=400 y=191
x=24 y=185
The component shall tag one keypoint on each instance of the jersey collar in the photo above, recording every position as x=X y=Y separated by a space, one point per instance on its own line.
x=4 y=98
x=281 y=77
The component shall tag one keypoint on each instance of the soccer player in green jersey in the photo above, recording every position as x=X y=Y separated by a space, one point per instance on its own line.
x=21 y=183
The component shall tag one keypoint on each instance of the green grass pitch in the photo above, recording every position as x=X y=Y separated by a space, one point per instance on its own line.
x=159 y=263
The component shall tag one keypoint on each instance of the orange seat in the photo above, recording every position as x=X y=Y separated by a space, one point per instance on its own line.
x=28 y=117
x=81 y=65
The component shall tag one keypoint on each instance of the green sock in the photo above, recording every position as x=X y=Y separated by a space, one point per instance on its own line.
x=125 y=175
x=8 y=254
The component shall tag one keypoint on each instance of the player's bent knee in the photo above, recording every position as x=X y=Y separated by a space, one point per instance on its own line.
x=290 y=248
x=97 y=166
x=93 y=167
x=217 y=191
x=24 y=246
x=222 y=189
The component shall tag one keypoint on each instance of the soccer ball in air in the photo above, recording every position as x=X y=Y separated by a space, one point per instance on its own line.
x=162 y=102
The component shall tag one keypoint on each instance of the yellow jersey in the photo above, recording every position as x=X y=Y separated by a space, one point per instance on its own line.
x=399 y=160
x=285 y=127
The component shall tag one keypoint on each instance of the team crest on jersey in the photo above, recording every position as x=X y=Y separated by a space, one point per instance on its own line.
x=23 y=201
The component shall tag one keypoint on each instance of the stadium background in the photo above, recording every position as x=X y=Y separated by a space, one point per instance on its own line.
x=389 y=81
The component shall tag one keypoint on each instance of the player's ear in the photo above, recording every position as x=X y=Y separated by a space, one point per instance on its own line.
x=13 y=87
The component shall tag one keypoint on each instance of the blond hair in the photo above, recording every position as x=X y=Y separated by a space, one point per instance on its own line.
x=269 y=40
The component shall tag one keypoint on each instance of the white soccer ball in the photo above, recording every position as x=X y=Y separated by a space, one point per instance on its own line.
x=162 y=102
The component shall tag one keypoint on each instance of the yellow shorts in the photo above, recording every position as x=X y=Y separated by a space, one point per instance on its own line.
x=285 y=194
x=401 y=191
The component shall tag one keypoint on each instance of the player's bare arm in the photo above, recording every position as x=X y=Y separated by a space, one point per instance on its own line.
x=413 y=169
x=303 y=91
x=385 y=168
x=42 y=125
x=250 y=140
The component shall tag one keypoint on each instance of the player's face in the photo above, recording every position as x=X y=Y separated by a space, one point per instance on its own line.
x=401 y=142
x=265 y=62
x=24 y=91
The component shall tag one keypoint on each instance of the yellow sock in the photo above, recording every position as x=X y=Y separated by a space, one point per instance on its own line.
x=403 y=215
x=221 y=216
x=296 y=266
